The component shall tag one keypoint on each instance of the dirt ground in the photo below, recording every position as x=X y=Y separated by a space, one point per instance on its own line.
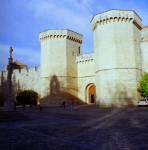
x=88 y=127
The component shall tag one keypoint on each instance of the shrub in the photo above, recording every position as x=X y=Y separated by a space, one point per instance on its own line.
x=26 y=96
x=143 y=89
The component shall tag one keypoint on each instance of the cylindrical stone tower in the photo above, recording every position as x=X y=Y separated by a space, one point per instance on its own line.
x=117 y=55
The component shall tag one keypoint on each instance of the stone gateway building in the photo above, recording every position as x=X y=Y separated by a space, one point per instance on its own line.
x=109 y=76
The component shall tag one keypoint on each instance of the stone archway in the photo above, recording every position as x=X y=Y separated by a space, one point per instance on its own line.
x=90 y=93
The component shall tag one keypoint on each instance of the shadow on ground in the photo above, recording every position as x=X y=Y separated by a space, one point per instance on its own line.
x=88 y=127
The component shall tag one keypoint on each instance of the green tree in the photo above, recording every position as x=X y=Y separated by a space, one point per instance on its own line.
x=143 y=89
x=26 y=96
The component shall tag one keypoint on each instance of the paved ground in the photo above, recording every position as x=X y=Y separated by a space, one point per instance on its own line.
x=88 y=127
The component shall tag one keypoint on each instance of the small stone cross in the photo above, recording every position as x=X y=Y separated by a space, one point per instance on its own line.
x=10 y=52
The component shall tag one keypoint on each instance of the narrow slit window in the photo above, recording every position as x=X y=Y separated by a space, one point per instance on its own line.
x=78 y=50
x=73 y=53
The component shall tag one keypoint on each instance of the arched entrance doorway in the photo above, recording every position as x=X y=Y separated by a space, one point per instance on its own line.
x=90 y=93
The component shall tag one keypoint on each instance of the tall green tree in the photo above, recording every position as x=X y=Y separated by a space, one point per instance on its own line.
x=143 y=89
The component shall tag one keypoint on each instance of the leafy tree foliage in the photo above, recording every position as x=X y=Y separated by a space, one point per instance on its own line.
x=143 y=89
x=26 y=96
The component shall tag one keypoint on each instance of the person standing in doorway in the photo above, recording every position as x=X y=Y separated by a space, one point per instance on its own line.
x=72 y=105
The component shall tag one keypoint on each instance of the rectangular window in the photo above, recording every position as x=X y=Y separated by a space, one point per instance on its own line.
x=73 y=53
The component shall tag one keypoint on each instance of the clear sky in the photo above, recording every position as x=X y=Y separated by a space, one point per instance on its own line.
x=22 y=20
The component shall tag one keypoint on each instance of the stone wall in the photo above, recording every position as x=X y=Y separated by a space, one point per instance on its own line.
x=86 y=74
x=144 y=48
x=22 y=79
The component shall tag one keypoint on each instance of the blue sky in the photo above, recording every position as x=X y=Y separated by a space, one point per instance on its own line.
x=22 y=20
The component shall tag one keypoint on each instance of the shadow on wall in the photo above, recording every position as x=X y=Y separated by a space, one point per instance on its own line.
x=121 y=95
x=58 y=92
x=3 y=89
x=15 y=87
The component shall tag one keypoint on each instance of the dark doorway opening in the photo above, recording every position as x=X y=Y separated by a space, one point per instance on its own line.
x=91 y=89
x=92 y=98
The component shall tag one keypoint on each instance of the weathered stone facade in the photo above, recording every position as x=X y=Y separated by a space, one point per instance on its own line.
x=109 y=76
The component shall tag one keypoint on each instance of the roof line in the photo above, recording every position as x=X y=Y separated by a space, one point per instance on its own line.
x=115 y=9
x=61 y=29
x=145 y=27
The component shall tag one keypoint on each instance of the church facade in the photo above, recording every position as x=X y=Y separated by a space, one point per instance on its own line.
x=109 y=76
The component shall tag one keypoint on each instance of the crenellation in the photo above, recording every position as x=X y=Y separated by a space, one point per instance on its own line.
x=24 y=70
x=15 y=71
x=70 y=35
x=32 y=70
x=124 y=16
x=113 y=20
x=60 y=36
x=137 y=25
x=74 y=39
x=85 y=57
x=85 y=61
x=39 y=68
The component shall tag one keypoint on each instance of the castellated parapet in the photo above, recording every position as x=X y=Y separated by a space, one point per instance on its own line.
x=116 y=16
x=60 y=33
x=85 y=57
